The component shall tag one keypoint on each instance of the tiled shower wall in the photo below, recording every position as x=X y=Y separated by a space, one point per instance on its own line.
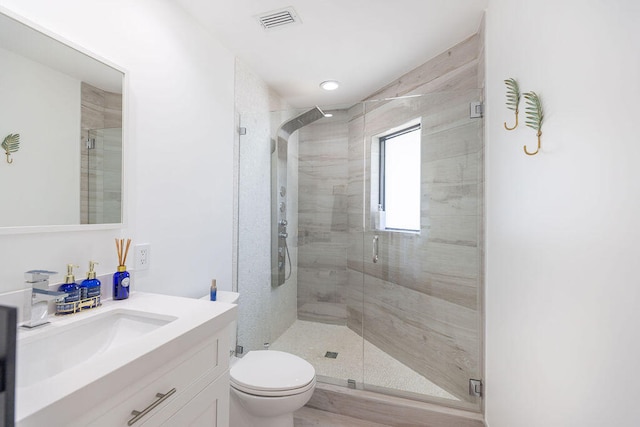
x=422 y=300
x=100 y=167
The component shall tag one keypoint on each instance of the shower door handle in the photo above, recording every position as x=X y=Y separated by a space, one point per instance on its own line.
x=375 y=249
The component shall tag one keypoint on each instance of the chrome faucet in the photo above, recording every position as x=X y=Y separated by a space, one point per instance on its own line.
x=40 y=297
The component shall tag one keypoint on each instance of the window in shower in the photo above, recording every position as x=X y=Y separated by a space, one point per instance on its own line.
x=399 y=179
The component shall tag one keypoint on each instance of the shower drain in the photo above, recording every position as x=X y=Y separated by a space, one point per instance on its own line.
x=331 y=354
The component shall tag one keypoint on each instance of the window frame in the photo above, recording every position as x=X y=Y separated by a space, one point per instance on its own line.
x=382 y=140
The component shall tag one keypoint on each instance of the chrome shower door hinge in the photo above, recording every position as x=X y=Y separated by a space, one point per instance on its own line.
x=475 y=388
x=242 y=130
x=476 y=110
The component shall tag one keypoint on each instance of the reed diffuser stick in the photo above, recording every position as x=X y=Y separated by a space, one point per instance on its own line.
x=126 y=251
x=118 y=248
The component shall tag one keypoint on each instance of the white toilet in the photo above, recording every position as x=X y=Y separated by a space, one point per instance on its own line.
x=267 y=386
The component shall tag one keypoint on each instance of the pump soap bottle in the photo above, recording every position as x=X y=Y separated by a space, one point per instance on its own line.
x=91 y=287
x=71 y=288
x=121 y=278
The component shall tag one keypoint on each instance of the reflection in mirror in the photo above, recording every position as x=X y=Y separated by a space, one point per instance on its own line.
x=101 y=148
x=67 y=107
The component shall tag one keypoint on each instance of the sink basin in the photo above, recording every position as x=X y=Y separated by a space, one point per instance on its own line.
x=58 y=347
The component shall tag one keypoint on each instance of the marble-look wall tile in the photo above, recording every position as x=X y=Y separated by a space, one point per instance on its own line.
x=457 y=141
x=453 y=59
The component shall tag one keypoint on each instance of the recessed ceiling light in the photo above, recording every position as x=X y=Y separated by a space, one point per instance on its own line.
x=330 y=85
x=328 y=115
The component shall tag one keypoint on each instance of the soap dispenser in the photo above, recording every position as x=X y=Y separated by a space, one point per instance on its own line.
x=71 y=288
x=91 y=287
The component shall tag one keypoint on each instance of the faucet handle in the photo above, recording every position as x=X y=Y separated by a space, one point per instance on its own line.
x=33 y=276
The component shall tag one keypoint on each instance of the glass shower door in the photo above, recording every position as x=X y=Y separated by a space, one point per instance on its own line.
x=421 y=300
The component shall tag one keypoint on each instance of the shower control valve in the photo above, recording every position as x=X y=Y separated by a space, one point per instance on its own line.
x=284 y=235
x=283 y=222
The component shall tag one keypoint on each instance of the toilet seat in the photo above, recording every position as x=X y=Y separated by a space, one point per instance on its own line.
x=272 y=373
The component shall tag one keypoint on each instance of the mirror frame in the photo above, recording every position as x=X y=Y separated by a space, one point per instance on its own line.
x=126 y=149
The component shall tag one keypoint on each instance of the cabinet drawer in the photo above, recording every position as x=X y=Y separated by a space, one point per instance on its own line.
x=206 y=404
x=210 y=359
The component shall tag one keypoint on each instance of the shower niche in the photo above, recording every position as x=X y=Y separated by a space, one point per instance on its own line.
x=395 y=311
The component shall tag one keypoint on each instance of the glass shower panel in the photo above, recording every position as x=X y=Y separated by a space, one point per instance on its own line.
x=253 y=212
x=421 y=302
x=329 y=228
x=312 y=314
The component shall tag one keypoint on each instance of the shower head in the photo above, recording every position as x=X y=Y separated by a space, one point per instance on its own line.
x=308 y=117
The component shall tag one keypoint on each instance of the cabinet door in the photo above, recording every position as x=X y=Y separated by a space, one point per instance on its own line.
x=208 y=408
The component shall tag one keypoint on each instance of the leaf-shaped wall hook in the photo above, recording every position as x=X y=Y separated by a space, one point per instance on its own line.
x=10 y=145
x=513 y=100
x=534 y=116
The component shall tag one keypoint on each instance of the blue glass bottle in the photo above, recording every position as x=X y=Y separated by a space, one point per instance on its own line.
x=71 y=288
x=91 y=287
x=214 y=291
x=121 y=280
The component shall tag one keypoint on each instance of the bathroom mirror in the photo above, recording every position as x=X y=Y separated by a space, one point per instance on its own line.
x=67 y=107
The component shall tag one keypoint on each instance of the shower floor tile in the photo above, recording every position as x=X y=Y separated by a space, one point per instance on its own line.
x=312 y=341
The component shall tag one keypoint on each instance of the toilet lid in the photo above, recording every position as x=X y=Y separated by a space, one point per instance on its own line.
x=270 y=371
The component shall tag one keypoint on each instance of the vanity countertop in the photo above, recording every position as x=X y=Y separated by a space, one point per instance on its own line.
x=103 y=374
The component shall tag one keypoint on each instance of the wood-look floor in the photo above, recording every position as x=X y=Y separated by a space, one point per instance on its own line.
x=309 y=417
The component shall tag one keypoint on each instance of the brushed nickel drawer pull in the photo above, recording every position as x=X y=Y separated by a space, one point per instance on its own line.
x=139 y=414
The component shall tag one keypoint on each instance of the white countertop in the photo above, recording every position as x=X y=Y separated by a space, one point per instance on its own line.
x=195 y=321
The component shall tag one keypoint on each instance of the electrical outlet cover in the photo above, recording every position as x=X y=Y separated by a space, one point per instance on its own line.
x=142 y=256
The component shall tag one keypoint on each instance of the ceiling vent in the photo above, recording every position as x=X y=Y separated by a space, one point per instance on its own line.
x=278 y=18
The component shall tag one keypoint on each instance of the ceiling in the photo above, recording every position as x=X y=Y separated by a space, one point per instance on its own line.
x=364 y=44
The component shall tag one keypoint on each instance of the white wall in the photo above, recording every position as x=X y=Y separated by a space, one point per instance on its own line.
x=562 y=287
x=179 y=152
x=43 y=106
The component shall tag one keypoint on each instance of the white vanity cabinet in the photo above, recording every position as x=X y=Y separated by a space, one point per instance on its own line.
x=175 y=375
x=191 y=390
x=193 y=385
